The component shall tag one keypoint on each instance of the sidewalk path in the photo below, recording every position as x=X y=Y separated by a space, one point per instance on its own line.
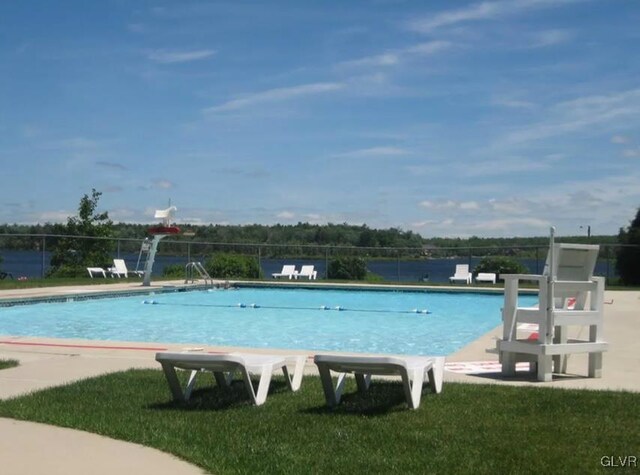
x=28 y=448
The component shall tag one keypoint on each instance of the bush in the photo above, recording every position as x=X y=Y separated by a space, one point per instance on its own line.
x=628 y=256
x=233 y=266
x=500 y=265
x=347 y=268
x=68 y=271
x=174 y=270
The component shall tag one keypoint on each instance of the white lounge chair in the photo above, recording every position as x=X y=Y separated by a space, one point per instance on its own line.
x=412 y=370
x=462 y=274
x=489 y=277
x=223 y=367
x=96 y=270
x=568 y=295
x=307 y=271
x=287 y=271
x=119 y=269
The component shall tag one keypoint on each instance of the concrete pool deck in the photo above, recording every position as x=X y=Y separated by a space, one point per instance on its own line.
x=44 y=362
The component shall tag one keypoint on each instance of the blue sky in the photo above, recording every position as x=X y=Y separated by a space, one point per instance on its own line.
x=492 y=118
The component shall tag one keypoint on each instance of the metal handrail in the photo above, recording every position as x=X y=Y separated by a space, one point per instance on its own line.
x=196 y=267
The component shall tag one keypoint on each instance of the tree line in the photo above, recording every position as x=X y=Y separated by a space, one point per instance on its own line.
x=72 y=254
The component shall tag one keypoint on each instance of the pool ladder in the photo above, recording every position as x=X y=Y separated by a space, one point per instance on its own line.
x=196 y=268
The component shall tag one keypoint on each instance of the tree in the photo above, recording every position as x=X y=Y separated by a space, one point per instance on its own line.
x=347 y=268
x=628 y=256
x=72 y=255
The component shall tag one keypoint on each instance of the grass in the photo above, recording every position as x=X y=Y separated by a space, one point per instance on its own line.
x=468 y=428
x=6 y=364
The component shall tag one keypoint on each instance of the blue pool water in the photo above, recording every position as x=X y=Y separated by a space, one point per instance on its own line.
x=369 y=321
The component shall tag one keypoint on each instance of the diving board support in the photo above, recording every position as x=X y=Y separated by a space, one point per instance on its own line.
x=158 y=232
x=148 y=266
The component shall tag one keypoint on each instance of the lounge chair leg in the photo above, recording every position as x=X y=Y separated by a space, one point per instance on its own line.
x=413 y=387
x=190 y=384
x=172 y=380
x=436 y=374
x=298 y=371
x=223 y=379
x=331 y=395
x=263 y=385
x=363 y=381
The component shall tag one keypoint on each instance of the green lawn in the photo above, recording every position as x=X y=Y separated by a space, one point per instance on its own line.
x=468 y=428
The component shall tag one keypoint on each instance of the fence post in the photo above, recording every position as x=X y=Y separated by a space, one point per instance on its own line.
x=118 y=248
x=188 y=252
x=537 y=260
x=326 y=262
x=44 y=244
x=259 y=261
x=608 y=257
x=398 y=265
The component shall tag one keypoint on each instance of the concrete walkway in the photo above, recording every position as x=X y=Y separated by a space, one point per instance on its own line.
x=36 y=448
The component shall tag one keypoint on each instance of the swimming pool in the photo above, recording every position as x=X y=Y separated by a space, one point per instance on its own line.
x=330 y=320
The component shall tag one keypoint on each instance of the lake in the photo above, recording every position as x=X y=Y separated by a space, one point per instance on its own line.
x=31 y=264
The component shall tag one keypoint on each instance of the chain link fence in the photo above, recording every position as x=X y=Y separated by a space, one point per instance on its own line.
x=29 y=255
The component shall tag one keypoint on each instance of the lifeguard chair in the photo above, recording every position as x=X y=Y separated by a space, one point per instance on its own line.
x=568 y=295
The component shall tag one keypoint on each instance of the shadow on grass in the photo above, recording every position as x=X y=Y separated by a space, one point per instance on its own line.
x=527 y=377
x=217 y=398
x=381 y=398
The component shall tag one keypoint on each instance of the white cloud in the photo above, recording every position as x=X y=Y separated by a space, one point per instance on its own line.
x=163 y=184
x=547 y=38
x=51 y=216
x=513 y=103
x=632 y=152
x=582 y=113
x=384 y=59
x=275 y=95
x=428 y=48
x=315 y=218
x=449 y=205
x=168 y=57
x=620 y=139
x=285 y=215
x=395 y=57
x=374 y=152
x=482 y=11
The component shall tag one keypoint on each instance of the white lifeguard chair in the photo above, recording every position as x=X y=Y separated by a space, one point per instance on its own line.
x=568 y=295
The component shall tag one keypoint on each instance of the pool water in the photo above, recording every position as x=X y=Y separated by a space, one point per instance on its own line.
x=329 y=320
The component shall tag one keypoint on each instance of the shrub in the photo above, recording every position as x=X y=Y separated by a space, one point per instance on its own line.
x=68 y=271
x=174 y=270
x=500 y=265
x=233 y=266
x=347 y=268
x=628 y=255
